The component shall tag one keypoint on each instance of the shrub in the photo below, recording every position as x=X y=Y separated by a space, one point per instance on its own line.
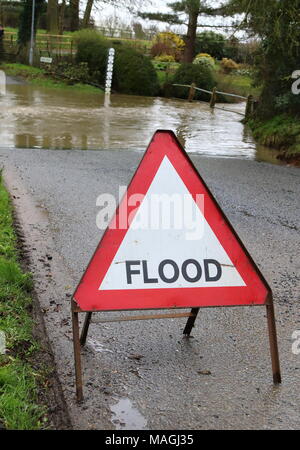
x=212 y=43
x=165 y=58
x=78 y=73
x=92 y=48
x=134 y=73
x=205 y=60
x=228 y=65
x=159 y=48
x=201 y=75
x=204 y=55
x=168 y=43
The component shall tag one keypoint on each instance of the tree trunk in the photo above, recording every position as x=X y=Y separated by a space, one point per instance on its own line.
x=87 y=13
x=190 y=40
x=74 y=13
x=61 y=17
x=24 y=32
x=52 y=17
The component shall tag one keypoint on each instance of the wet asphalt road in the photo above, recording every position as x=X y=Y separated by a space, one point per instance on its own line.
x=165 y=388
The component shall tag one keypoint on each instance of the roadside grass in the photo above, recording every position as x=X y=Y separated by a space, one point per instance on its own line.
x=281 y=132
x=38 y=77
x=19 y=382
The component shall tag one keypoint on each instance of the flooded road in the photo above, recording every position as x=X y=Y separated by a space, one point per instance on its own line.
x=45 y=118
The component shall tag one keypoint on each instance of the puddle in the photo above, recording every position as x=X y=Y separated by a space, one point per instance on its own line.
x=126 y=416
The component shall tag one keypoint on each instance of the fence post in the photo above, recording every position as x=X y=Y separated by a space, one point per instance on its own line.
x=249 y=107
x=213 y=98
x=192 y=92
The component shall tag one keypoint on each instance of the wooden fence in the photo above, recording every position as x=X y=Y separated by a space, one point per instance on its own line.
x=251 y=103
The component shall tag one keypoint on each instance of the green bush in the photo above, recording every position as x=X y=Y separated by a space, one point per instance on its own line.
x=199 y=74
x=212 y=43
x=207 y=61
x=164 y=58
x=69 y=72
x=228 y=65
x=92 y=48
x=134 y=73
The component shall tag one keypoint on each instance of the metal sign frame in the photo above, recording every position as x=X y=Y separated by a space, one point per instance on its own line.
x=80 y=339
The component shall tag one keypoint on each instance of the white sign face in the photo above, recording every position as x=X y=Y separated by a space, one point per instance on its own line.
x=159 y=257
x=2 y=83
x=46 y=60
x=109 y=70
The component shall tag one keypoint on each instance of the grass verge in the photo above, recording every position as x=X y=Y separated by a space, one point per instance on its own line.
x=19 y=381
x=281 y=132
x=38 y=77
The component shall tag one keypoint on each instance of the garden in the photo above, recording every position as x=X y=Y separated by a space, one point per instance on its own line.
x=149 y=70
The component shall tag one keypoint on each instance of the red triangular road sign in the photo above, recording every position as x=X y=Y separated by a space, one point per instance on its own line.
x=193 y=261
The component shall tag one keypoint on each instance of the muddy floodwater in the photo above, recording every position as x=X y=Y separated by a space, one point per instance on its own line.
x=37 y=117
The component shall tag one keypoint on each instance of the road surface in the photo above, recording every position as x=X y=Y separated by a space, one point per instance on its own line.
x=144 y=374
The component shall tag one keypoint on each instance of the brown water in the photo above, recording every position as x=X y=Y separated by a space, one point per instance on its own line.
x=36 y=117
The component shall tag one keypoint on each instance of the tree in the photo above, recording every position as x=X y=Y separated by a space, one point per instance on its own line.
x=138 y=30
x=74 y=15
x=193 y=9
x=277 y=24
x=52 y=16
x=61 y=16
x=131 y=5
x=87 y=13
x=10 y=11
x=24 y=32
x=211 y=43
x=185 y=12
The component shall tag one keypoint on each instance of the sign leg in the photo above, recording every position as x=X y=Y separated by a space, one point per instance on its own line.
x=273 y=342
x=190 y=323
x=77 y=357
x=85 y=328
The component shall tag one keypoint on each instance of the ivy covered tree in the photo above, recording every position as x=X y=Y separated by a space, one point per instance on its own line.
x=277 y=24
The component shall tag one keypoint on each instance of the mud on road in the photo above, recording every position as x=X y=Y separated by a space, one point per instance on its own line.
x=144 y=374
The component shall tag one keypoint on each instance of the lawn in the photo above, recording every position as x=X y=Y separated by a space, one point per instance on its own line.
x=237 y=84
x=39 y=77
